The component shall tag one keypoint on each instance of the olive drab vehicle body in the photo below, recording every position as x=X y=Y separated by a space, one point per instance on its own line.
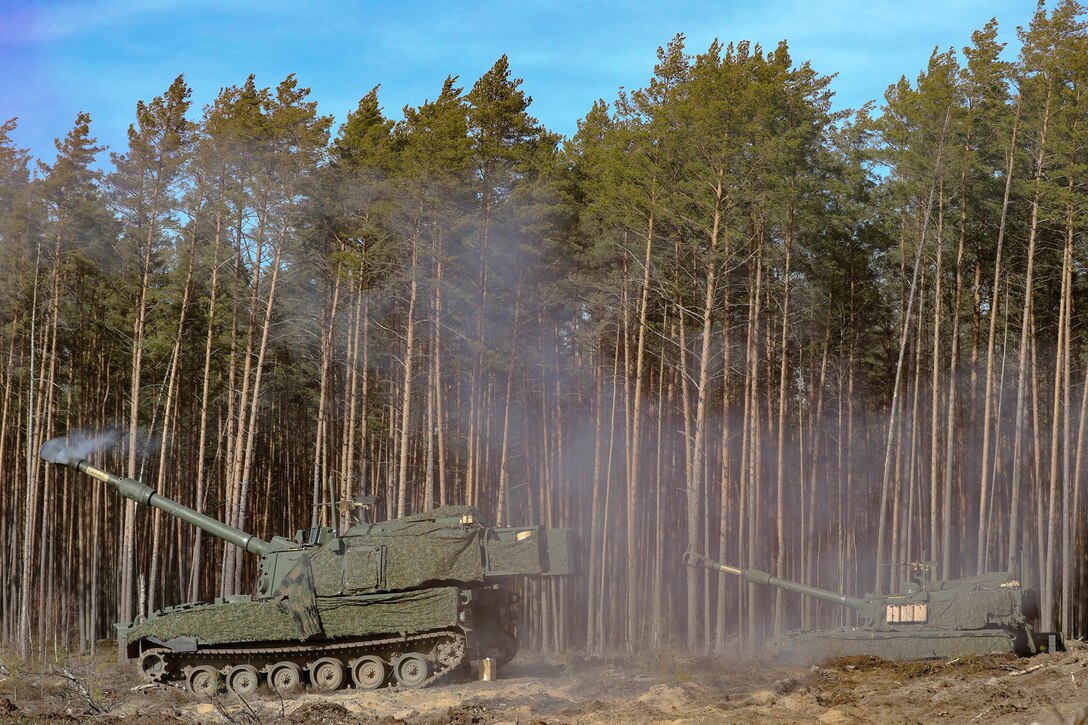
x=927 y=618
x=399 y=602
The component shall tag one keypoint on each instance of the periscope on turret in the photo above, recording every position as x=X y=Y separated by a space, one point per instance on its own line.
x=394 y=603
x=926 y=619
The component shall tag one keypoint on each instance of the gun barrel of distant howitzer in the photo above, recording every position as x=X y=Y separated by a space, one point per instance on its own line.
x=761 y=577
x=143 y=494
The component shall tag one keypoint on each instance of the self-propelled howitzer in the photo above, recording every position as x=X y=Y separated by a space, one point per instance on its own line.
x=926 y=618
x=399 y=602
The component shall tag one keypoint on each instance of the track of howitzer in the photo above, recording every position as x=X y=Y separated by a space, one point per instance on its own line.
x=448 y=644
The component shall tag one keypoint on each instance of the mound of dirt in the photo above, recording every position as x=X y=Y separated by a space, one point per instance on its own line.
x=324 y=712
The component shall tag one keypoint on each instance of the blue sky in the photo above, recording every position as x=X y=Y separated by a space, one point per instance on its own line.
x=59 y=57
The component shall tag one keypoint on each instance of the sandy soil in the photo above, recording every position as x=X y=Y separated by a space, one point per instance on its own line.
x=1044 y=689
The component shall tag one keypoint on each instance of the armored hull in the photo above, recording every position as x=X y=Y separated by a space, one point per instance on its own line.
x=812 y=646
x=365 y=640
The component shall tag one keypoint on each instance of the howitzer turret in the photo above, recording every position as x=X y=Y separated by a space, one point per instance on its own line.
x=926 y=618
x=399 y=602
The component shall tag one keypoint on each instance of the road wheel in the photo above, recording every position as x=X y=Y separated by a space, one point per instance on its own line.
x=327 y=674
x=369 y=672
x=205 y=681
x=412 y=669
x=243 y=680
x=285 y=678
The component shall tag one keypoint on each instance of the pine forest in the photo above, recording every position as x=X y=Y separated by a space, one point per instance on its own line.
x=723 y=316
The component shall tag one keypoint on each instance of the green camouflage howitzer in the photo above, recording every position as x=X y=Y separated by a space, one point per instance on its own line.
x=927 y=618
x=400 y=602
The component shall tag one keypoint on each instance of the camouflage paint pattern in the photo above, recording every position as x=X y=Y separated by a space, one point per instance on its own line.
x=296 y=597
x=266 y=621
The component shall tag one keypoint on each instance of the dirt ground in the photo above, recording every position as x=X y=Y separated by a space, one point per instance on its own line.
x=1043 y=689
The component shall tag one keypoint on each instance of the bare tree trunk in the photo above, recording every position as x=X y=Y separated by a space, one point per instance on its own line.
x=7 y=517
x=138 y=324
x=201 y=448
x=1075 y=482
x=780 y=489
x=348 y=466
x=727 y=508
x=752 y=443
x=502 y=513
x=167 y=423
x=1021 y=381
x=658 y=627
x=935 y=387
x=602 y=634
x=849 y=557
x=596 y=555
x=476 y=392
x=251 y=428
x=696 y=477
x=1069 y=507
x=1056 y=487
x=1036 y=485
x=987 y=434
x=364 y=417
x=953 y=387
x=240 y=401
x=406 y=386
x=321 y=446
x=43 y=418
x=30 y=505
x=633 y=605
x=884 y=488
x=439 y=390
x=808 y=551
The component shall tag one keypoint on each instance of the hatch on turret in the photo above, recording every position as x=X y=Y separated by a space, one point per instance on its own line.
x=364 y=568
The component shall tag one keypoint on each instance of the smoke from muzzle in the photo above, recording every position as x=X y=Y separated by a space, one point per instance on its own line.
x=76 y=445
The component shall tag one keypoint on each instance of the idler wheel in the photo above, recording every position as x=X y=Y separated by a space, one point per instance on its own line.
x=285 y=677
x=368 y=672
x=412 y=669
x=327 y=673
x=205 y=681
x=449 y=652
x=243 y=680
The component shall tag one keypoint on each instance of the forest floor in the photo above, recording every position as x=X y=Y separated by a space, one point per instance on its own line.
x=1043 y=689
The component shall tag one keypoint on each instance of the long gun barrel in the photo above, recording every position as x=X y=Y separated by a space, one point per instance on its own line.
x=761 y=577
x=143 y=494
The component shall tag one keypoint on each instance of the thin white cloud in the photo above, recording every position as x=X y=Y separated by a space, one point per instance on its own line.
x=59 y=21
